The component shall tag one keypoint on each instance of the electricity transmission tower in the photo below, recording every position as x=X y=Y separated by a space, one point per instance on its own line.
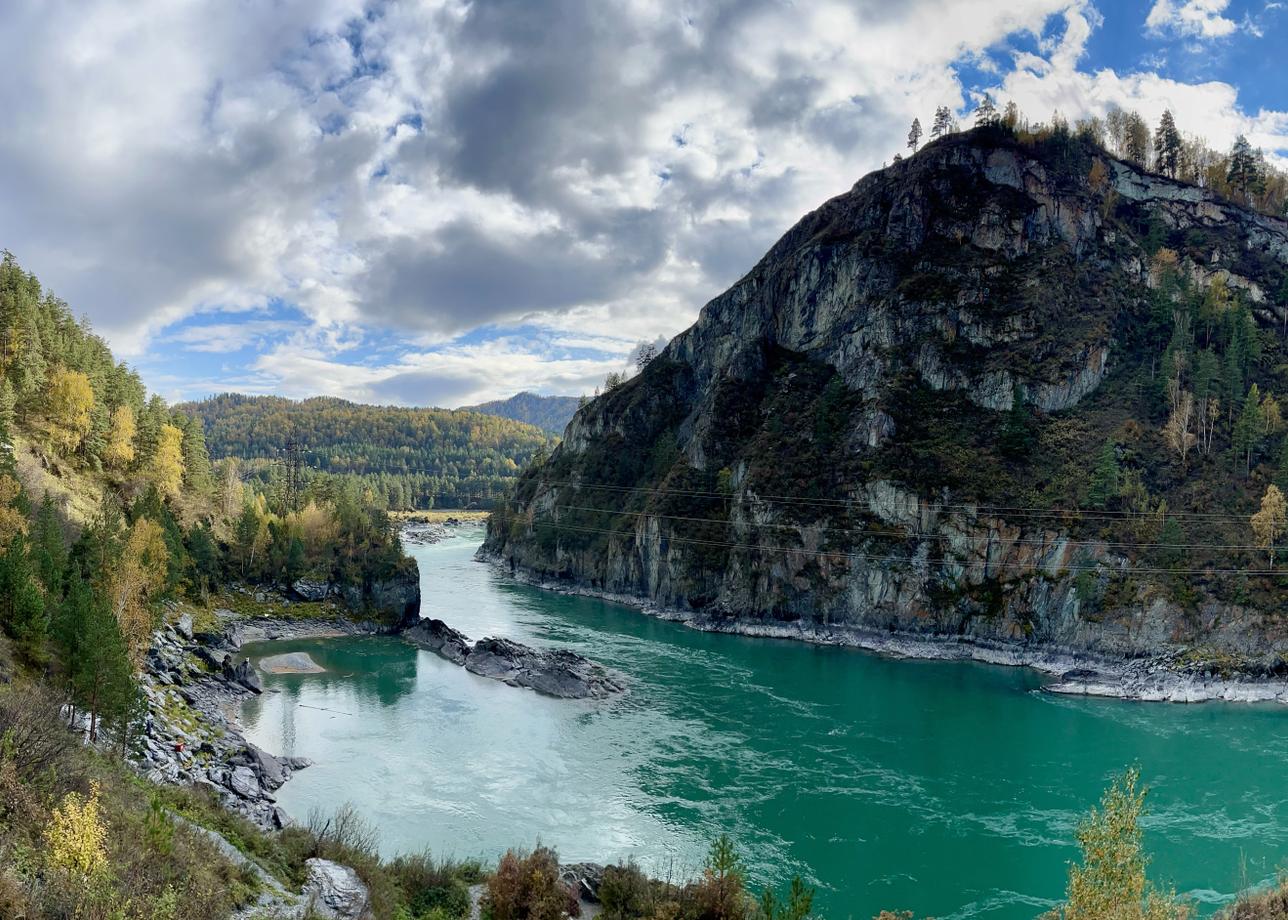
x=293 y=464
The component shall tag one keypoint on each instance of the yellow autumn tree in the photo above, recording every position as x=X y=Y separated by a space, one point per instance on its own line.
x=166 y=472
x=69 y=404
x=1269 y=523
x=1110 y=882
x=317 y=526
x=12 y=520
x=77 y=836
x=119 y=452
x=135 y=583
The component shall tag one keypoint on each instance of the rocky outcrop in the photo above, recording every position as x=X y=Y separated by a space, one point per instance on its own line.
x=391 y=600
x=553 y=672
x=829 y=451
x=335 y=892
x=188 y=736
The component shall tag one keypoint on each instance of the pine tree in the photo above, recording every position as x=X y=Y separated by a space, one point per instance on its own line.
x=29 y=364
x=943 y=123
x=22 y=606
x=102 y=678
x=1247 y=430
x=914 y=135
x=1104 y=478
x=150 y=420
x=1136 y=139
x=1018 y=431
x=1170 y=539
x=1167 y=145
x=1242 y=172
x=49 y=550
x=197 y=476
x=986 y=113
x=8 y=404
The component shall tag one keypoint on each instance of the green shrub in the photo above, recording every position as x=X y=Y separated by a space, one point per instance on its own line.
x=527 y=886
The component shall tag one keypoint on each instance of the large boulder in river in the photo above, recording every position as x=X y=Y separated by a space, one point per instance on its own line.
x=335 y=892
x=438 y=637
x=554 y=672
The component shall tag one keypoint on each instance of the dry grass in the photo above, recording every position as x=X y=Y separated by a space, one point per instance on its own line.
x=1265 y=905
x=76 y=493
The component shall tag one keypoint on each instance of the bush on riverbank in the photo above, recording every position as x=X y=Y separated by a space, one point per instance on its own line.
x=1264 y=905
x=1110 y=880
x=81 y=837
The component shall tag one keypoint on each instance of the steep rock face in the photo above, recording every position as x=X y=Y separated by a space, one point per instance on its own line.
x=833 y=443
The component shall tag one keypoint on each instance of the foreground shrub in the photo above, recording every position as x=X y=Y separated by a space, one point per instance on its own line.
x=722 y=893
x=1110 y=882
x=799 y=903
x=33 y=736
x=1263 y=905
x=626 y=893
x=430 y=885
x=528 y=887
x=76 y=835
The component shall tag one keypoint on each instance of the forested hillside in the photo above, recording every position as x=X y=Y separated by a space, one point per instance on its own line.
x=110 y=506
x=411 y=458
x=551 y=413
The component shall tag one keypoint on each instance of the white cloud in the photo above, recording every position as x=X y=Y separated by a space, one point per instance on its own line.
x=415 y=169
x=1199 y=18
x=1208 y=110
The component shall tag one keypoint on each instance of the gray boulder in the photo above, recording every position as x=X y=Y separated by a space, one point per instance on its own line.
x=553 y=672
x=438 y=637
x=245 y=783
x=271 y=771
x=243 y=673
x=311 y=589
x=335 y=892
x=184 y=626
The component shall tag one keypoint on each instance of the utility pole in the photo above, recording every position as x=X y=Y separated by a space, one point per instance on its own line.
x=293 y=461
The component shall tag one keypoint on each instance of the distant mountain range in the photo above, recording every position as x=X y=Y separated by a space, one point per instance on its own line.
x=549 y=412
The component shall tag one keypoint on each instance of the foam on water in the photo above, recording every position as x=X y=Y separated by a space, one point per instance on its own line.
x=946 y=788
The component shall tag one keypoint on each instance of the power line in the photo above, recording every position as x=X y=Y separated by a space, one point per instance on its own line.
x=965 y=564
x=1029 y=511
x=916 y=535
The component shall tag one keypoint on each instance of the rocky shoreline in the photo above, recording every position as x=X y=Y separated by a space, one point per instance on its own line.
x=190 y=734
x=1161 y=678
x=194 y=686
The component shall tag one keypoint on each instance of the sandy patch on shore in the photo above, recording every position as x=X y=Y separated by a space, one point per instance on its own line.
x=291 y=663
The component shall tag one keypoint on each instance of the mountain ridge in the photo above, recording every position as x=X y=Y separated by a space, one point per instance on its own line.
x=937 y=359
x=551 y=413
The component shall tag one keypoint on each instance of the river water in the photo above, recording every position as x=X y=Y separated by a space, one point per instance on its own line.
x=946 y=788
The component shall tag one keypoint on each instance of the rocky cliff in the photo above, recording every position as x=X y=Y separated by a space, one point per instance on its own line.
x=891 y=423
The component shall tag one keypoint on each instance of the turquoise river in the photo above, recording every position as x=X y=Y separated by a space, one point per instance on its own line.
x=948 y=789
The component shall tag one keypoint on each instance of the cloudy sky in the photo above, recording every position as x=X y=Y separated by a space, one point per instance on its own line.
x=437 y=201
